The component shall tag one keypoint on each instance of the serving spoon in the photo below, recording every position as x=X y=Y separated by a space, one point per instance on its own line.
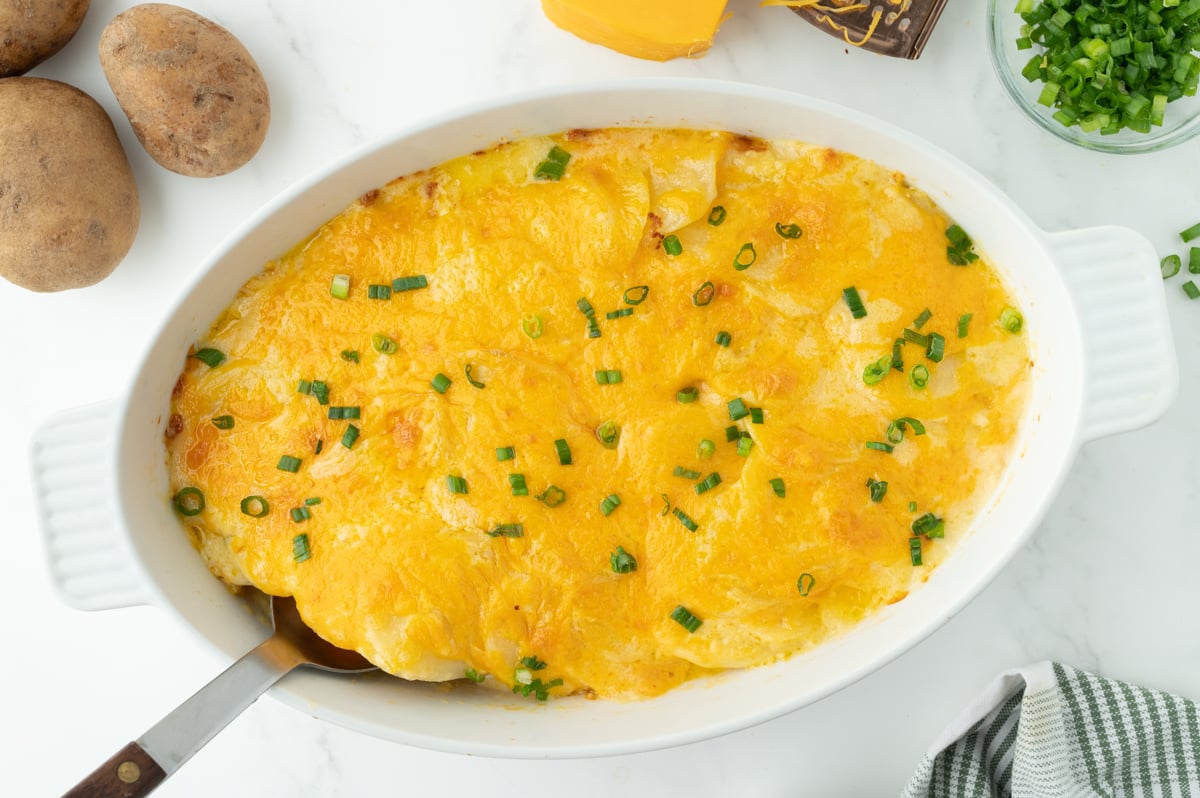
x=138 y=768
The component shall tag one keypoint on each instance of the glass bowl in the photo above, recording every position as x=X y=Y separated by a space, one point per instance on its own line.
x=1180 y=123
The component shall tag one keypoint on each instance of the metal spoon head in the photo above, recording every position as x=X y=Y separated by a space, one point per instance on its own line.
x=318 y=652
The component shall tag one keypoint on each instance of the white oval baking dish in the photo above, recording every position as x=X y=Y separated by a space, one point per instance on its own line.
x=1095 y=316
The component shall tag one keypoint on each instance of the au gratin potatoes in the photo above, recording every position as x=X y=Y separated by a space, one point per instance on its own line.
x=600 y=412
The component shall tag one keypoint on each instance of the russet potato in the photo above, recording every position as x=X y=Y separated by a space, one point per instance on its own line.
x=68 y=201
x=193 y=94
x=33 y=30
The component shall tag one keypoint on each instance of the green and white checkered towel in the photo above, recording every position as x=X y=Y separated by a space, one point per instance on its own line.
x=1050 y=731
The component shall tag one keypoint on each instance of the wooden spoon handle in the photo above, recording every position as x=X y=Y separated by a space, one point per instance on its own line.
x=130 y=773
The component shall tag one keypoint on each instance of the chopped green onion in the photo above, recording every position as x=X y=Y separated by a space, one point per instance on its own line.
x=879 y=446
x=554 y=166
x=686 y=473
x=585 y=307
x=508 y=531
x=912 y=507
x=745 y=257
x=540 y=691
x=384 y=345
x=255 y=506
x=210 y=357
x=706 y=449
x=320 y=390
x=320 y=445
x=505 y=453
x=716 y=215
x=379 y=292
x=456 y=484
x=300 y=551
x=339 y=286
x=1194 y=260
x=593 y=328
x=440 y=382
x=609 y=377
x=564 y=451
x=877 y=489
x=723 y=338
x=622 y=562
x=350 y=355
x=708 y=483
x=610 y=503
x=289 y=463
x=1170 y=266
x=344 y=413
x=685 y=519
x=738 y=409
x=558 y=155
x=1192 y=232
x=914 y=551
x=682 y=616
x=532 y=326
x=189 y=501
x=854 y=302
x=963 y=321
x=919 y=376
x=619 y=313
x=895 y=430
x=937 y=347
x=474 y=675
x=756 y=415
x=517 y=483
x=960 y=250
x=732 y=433
x=304 y=387
x=1011 y=320
x=744 y=446
x=548 y=170
x=636 y=295
x=553 y=496
x=300 y=514
x=930 y=526
x=704 y=294
x=920 y=320
x=350 y=436
x=411 y=283
x=914 y=337
x=779 y=488
x=686 y=396
x=898 y=354
x=609 y=434
x=876 y=371
x=223 y=422
x=1191 y=290
x=805 y=583
x=476 y=383
x=672 y=246
x=312 y=501
x=666 y=505
x=787 y=231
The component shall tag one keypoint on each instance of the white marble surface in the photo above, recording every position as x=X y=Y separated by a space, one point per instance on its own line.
x=1109 y=583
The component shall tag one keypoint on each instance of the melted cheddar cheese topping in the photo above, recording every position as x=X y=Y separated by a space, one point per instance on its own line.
x=397 y=565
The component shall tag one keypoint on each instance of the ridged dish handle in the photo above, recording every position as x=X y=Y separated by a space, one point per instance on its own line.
x=1130 y=371
x=73 y=476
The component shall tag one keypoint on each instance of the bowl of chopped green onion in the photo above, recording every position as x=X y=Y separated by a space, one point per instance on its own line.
x=1115 y=76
